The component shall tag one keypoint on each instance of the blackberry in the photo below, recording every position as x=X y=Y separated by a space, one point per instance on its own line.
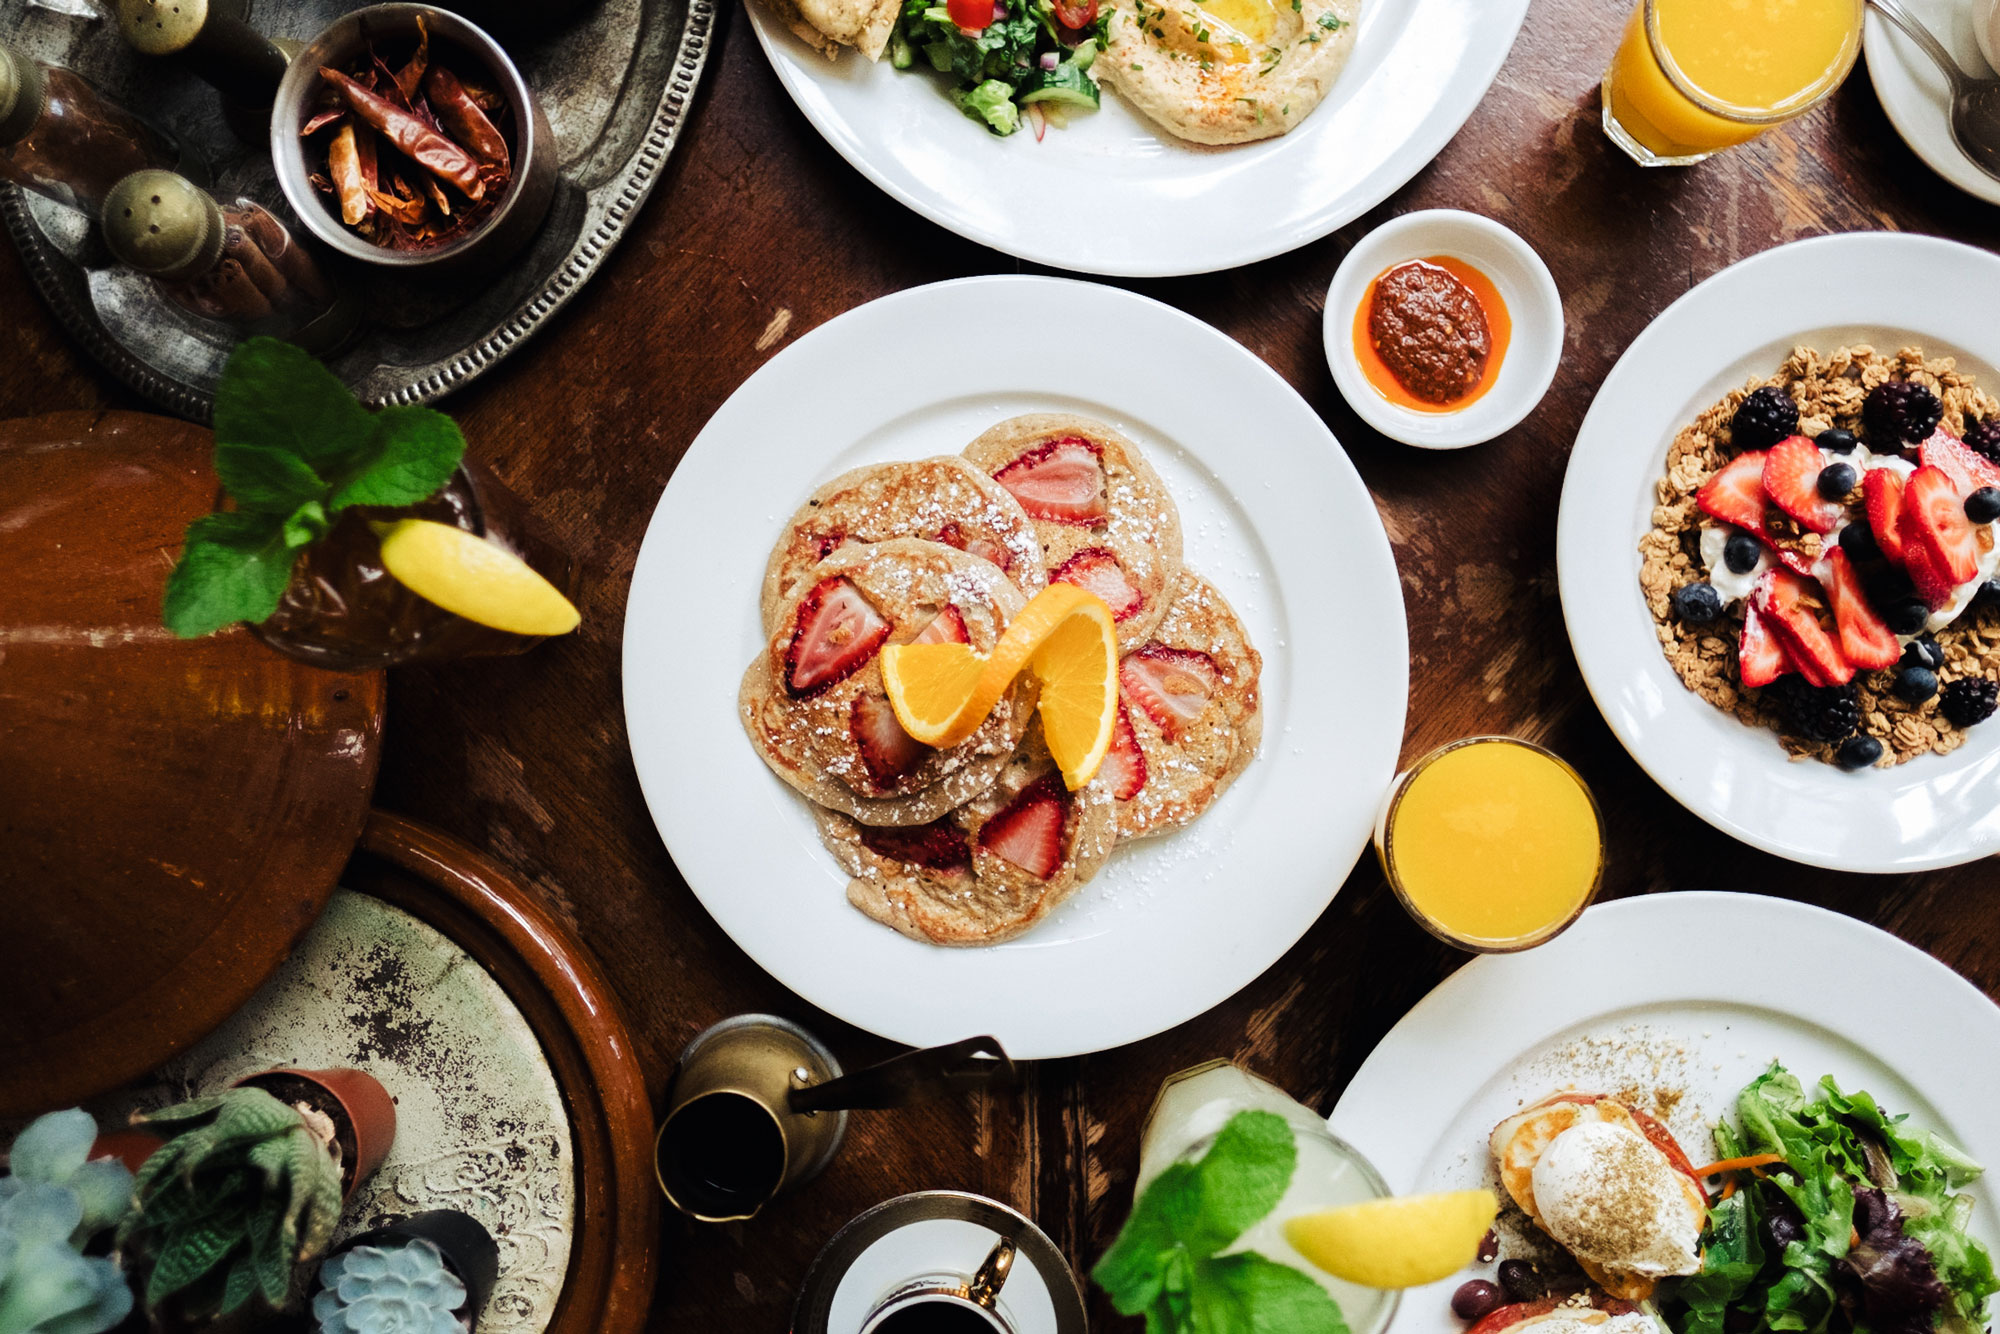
x=1984 y=436
x=1969 y=700
x=1820 y=713
x=1898 y=413
x=1764 y=418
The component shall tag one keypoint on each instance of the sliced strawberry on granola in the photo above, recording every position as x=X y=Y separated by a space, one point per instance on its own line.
x=1932 y=584
x=1882 y=488
x=1934 y=517
x=1968 y=469
x=1760 y=658
x=1780 y=595
x=1864 y=640
x=1791 y=480
x=1735 y=494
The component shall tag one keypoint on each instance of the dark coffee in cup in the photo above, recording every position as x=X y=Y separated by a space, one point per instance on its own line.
x=722 y=1154
x=939 y=1314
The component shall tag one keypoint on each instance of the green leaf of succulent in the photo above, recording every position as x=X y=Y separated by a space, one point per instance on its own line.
x=271 y=1246
x=265 y=480
x=188 y=1256
x=41 y=1213
x=53 y=1147
x=271 y=1157
x=413 y=452
x=49 y=1280
x=168 y=1120
x=110 y=1305
x=105 y=1189
x=241 y=1285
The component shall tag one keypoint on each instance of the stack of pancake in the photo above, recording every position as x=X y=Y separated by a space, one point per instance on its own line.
x=977 y=843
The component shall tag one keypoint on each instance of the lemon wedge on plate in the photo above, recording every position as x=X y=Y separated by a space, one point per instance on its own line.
x=1400 y=1242
x=1065 y=635
x=474 y=578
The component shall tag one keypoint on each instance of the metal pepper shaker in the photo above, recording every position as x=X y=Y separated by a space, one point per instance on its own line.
x=63 y=139
x=234 y=264
x=212 y=40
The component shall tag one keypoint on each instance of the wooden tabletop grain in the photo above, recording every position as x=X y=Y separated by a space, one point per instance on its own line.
x=759 y=232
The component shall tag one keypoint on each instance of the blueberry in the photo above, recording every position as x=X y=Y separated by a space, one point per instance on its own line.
x=1858 y=752
x=1837 y=479
x=1858 y=541
x=1740 y=553
x=1983 y=505
x=1914 y=685
x=1698 y=604
x=1988 y=594
x=1836 y=441
x=1907 y=616
x=1924 y=652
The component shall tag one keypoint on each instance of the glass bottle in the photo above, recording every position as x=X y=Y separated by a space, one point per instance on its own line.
x=235 y=264
x=342 y=610
x=62 y=138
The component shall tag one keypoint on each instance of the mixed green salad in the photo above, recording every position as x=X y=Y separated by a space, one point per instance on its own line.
x=1834 y=1219
x=1009 y=60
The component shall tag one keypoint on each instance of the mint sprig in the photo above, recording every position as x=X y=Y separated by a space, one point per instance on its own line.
x=1166 y=1263
x=293 y=448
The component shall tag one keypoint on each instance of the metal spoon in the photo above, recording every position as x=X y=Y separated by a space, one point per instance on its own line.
x=1975 y=103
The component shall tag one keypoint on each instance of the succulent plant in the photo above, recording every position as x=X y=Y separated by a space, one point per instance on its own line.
x=245 y=1189
x=406 y=1288
x=53 y=1202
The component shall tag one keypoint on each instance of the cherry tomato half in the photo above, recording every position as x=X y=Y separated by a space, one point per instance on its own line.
x=1076 y=15
x=970 y=14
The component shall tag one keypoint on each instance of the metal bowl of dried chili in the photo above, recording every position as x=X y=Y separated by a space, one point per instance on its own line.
x=405 y=137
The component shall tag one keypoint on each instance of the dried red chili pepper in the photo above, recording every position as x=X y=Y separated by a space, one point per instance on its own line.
x=460 y=115
x=352 y=177
x=411 y=76
x=416 y=140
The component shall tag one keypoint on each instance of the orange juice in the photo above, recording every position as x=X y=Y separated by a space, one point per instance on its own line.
x=1693 y=76
x=1493 y=844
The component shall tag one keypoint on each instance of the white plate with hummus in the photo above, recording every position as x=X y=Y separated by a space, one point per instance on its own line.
x=1114 y=193
x=1637 y=1001
x=1174 y=924
x=1883 y=289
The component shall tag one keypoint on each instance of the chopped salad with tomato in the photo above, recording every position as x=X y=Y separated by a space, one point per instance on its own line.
x=1009 y=60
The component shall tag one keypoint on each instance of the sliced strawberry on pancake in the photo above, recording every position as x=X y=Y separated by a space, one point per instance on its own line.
x=1124 y=767
x=1028 y=831
x=947 y=627
x=1934 y=517
x=1172 y=685
x=837 y=631
x=1882 y=488
x=939 y=845
x=1760 y=658
x=1061 y=482
x=1864 y=640
x=1968 y=469
x=952 y=535
x=1735 y=494
x=1780 y=596
x=887 y=751
x=1791 y=480
x=1097 y=571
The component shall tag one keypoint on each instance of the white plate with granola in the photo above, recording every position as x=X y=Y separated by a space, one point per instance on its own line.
x=1871 y=307
x=1170 y=925
x=1635 y=1002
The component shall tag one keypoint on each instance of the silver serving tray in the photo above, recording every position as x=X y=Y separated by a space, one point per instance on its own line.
x=615 y=78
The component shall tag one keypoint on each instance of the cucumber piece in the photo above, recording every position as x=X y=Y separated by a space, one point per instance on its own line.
x=901 y=56
x=1067 y=84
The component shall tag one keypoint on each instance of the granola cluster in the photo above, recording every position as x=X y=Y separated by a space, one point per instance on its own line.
x=1829 y=391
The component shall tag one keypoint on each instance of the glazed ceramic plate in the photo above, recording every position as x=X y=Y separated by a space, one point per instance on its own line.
x=1172 y=925
x=1914 y=92
x=1881 y=288
x=1637 y=994
x=1114 y=194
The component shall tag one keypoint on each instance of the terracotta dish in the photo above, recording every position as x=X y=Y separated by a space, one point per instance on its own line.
x=562 y=993
x=176 y=812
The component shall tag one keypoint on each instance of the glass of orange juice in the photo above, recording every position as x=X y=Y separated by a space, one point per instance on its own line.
x=1492 y=843
x=1695 y=76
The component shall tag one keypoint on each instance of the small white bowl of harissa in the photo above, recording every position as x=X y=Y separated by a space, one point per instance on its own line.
x=1443 y=329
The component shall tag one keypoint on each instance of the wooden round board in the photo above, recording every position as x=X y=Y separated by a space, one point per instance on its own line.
x=176 y=812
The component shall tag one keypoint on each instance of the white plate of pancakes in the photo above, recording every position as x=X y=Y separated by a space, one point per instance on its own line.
x=1645 y=1000
x=1115 y=194
x=1268 y=510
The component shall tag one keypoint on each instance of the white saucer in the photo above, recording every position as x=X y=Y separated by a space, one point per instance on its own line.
x=1914 y=92
x=1534 y=307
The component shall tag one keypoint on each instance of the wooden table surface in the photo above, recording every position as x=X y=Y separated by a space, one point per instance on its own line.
x=759 y=232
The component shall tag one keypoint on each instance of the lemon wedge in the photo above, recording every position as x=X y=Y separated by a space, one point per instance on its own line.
x=474 y=578
x=1400 y=1242
x=942 y=692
